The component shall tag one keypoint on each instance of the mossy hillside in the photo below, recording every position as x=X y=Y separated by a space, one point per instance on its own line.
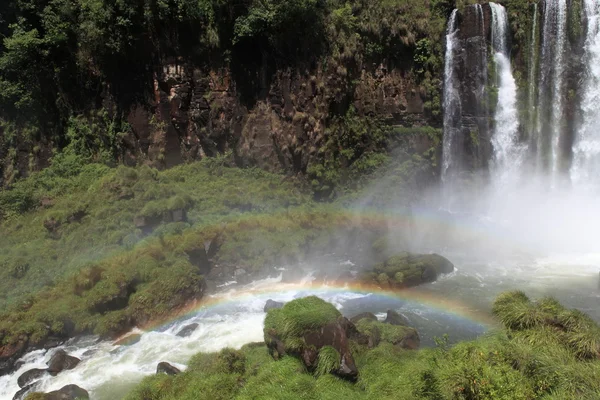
x=94 y=270
x=538 y=362
x=88 y=213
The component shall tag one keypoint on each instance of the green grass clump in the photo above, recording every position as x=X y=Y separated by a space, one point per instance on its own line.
x=329 y=361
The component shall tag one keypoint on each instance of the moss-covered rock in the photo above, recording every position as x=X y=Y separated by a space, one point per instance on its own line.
x=406 y=270
x=401 y=336
x=315 y=331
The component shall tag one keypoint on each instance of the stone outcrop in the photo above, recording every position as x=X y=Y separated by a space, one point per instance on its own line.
x=393 y=318
x=366 y=315
x=61 y=361
x=166 y=368
x=30 y=376
x=187 y=330
x=272 y=304
x=407 y=270
x=22 y=394
x=69 y=392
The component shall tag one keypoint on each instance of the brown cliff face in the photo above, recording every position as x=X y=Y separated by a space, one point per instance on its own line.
x=197 y=113
x=473 y=143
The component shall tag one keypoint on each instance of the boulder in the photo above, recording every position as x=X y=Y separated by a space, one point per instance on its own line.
x=30 y=376
x=128 y=340
x=377 y=332
x=394 y=318
x=407 y=270
x=366 y=315
x=166 y=368
x=187 y=330
x=334 y=335
x=272 y=304
x=61 y=361
x=22 y=394
x=53 y=342
x=69 y=392
x=9 y=354
x=307 y=327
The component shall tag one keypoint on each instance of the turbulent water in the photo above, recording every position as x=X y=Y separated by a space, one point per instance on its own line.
x=587 y=147
x=108 y=372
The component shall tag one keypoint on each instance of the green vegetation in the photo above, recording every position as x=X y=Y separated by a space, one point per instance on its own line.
x=533 y=357
x=88 y=248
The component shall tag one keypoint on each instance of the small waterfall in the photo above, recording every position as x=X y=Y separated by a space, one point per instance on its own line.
x=452 y=103
x=551 y=86
x=586 y=163
x=507 y=152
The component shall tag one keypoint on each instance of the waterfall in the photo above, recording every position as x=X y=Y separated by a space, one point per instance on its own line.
x=507 y=151
x=452 y=103
x=533 y=60
x=586 y=162
x=551 y=86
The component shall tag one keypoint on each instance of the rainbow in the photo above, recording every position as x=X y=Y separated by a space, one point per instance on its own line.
x=438 y=303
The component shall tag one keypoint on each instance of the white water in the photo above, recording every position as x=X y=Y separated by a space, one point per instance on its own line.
x=452 y=103
x=551 y=88
x=508 y=154
x=533 y=59
x=586 y=152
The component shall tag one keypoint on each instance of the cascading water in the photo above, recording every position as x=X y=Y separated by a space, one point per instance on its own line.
x=551 y=87
x=586 y=152
x=532 y=73
x=452 y=103
x=507 y=152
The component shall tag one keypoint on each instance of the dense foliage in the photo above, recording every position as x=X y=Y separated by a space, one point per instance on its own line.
x=70 y=70
x=544 y=352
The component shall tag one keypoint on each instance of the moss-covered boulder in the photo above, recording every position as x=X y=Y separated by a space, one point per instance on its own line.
x=407 y=270
x=314 y=331
x=401 y=336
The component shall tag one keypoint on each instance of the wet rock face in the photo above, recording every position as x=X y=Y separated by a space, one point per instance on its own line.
x=69 y=392
x=271 y=304
x=187 y=330
x=472 y=143
x=335 y=335
x=61 y=361
x=166 y=368
x=22 y=394
x=393 y=318
x=366 y=315
x=9 y=354
x=30 y=376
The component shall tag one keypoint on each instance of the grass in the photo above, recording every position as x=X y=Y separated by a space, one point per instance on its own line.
x=530 y=363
